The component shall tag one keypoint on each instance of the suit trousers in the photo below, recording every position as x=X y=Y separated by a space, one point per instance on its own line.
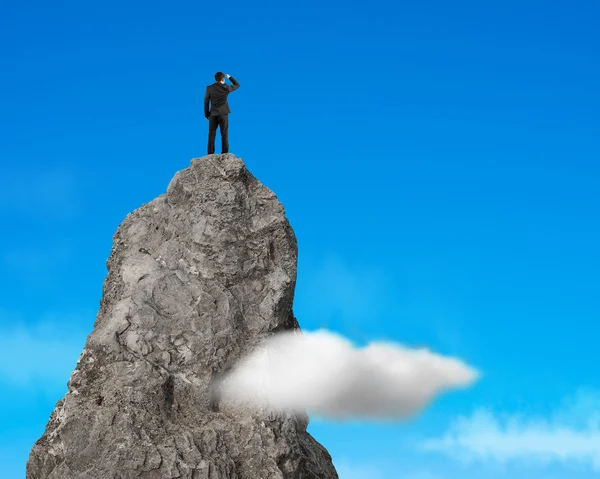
x=222 y=122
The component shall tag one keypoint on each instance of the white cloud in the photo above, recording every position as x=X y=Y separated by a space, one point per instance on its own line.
x=329 y=376
x=571 y=435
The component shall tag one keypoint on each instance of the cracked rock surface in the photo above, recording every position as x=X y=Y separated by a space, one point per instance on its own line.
x=196 y=279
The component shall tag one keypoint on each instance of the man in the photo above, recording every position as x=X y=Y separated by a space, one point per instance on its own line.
x=216 y=113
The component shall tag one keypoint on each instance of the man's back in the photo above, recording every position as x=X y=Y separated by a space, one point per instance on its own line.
x=216 y=110
x=217 y=94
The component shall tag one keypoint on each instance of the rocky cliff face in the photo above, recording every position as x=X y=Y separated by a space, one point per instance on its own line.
x=196 y=279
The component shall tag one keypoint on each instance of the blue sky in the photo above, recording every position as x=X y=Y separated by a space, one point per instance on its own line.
x=437 y=160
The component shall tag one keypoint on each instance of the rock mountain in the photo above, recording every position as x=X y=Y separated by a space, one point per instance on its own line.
x=197 y=278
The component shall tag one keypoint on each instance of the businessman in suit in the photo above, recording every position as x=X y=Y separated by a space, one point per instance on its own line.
x=216 y=110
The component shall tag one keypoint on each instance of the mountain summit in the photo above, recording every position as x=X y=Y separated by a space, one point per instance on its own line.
x=197 y=278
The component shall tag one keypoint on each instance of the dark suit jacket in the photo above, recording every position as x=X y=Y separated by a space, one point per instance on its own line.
x=216 y=95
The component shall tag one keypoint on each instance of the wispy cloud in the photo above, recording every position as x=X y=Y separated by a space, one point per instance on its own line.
x=326 y=374
x=571 y=435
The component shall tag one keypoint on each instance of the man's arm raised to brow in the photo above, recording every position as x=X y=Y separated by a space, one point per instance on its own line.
x=235 y=85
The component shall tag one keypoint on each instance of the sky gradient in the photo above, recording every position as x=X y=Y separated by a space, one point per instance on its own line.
x=439 y=163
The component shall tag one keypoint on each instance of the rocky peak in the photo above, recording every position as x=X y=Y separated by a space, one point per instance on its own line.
x=196 y=279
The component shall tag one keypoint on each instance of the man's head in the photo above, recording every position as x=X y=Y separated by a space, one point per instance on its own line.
x=220 y=77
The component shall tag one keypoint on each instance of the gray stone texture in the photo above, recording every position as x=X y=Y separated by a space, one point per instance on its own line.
x=196 y=279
